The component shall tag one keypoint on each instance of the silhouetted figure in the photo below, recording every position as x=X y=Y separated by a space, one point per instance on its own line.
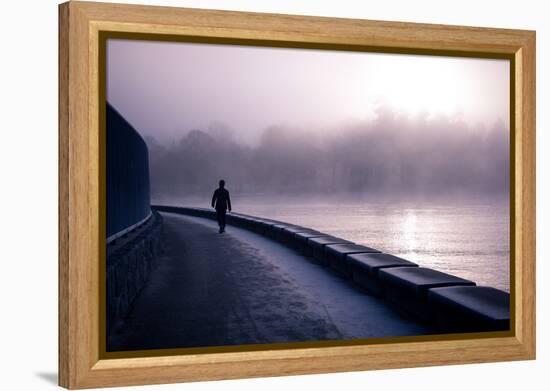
x=222 y=203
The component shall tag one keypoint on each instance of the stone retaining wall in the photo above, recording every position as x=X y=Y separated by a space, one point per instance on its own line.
x=446 y=302
x=130 y=260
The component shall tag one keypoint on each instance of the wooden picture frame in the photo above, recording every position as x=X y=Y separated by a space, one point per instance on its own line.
x=81 y=364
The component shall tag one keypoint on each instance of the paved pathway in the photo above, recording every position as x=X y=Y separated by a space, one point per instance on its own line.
x=211 y=289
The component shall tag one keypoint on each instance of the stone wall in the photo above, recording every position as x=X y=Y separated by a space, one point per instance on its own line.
x=130 y=260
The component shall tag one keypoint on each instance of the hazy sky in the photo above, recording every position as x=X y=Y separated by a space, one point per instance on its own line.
x=165 y=89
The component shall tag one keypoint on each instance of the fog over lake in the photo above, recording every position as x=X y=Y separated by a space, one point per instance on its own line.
x=391 y=157
x=408 y=154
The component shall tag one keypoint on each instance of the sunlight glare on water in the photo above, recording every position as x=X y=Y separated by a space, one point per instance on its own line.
x=469 y=241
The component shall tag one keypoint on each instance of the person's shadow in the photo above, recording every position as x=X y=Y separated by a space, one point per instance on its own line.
x=49 y=377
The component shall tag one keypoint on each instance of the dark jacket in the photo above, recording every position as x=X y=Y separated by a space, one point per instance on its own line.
x=221 y=200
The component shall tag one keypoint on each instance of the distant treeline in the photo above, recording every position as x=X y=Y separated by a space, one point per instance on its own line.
x=393 y=154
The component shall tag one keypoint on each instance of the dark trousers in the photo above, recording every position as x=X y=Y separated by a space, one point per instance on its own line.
x=220 y=214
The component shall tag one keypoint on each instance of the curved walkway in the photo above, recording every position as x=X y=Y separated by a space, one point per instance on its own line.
x=211 y=289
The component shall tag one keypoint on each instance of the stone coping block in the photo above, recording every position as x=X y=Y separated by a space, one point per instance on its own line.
x=303 y=236
x=373 y=262
x=296 y=229
x=336 y=255
x=257 y=225
x=202 y=209
x=255 y=218
x=288 y=234
x=470 y=308
x=276 y=230
x=197 y=212
x=268 y=222
x=326 y=239
x=280 y=226
x=365 y=266
x=301 y=239
x=233 y=218
x=407 y=287
x=202 y=212
x=241 y=221
x=317 y=244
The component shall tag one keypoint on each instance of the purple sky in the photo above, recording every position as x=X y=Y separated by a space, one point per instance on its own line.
x=165 y=89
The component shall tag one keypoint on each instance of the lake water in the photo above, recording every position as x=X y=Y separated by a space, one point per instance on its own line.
x=466 y=239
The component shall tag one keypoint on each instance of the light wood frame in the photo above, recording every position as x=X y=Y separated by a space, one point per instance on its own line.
x=80 y=23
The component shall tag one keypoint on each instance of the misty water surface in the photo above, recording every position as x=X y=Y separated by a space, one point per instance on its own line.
x=469 y=239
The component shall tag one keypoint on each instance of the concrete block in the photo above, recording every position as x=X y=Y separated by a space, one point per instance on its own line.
x=266 y=225
x=204 y=212
x=239 y=214
x=252 y=223
x=275 y=231
x=336 y=255
x=317 y=246
x=301 y=239
x=407 y=287
x=288 y=235
x=239 y=221
x=236 y=220
x=198 y=212
x=249 y=223
x=259 y=226
x=365 y=267
x=470 y=308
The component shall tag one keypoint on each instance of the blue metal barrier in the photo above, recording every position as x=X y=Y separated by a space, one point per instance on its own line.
x=128 y=196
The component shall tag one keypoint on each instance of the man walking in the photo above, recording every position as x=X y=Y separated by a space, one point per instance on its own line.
x=221 y=202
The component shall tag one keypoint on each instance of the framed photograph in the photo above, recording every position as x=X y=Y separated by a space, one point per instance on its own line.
x=247 y=195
